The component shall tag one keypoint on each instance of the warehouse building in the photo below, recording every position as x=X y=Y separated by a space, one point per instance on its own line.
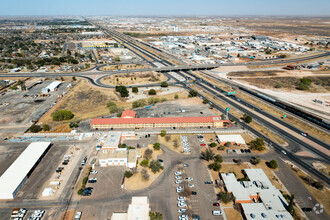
x=128 y=121
x=17 y=174
x=258 y=197
x=51 y=87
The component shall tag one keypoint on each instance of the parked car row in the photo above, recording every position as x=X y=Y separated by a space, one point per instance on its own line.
x=18 y=213
x=185 y=144
x=241 y=150
x=37 y=215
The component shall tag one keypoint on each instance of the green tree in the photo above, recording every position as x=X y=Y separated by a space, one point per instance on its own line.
x=255 y=160
x=193 y=93
x=117 y=59
x=162 y=133
x=122 y=90
x=291 y=203
x=247 y=118
x=176 y=96
x=272 y=164
x=144 y=174
x=152 y=92
x=156 y=146
x=148 y=154
x=226 y=197
x=257 y=144
x=74 y=78
x=35 y=128
x=218 y=158
x=135 y=90
x=164 y=84
x=215 y=166
x=144 y=163
x=155 y=166
x=139 y=103
x=205 y=101
x=213 y=144
x=46 y=127
x=62 y=115
x=207 y=155
x=156 y=216
x=128 y=174
x=62 y=79
x=68 y=52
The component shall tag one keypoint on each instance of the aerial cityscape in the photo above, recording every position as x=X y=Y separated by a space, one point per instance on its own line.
x=147 y=110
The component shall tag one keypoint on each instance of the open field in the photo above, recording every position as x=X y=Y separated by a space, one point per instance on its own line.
x=170 y=144
x=125 y=66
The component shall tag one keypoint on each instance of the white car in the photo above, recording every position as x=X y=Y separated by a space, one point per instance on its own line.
x=183 y=217
x=178 y=181
x=181 y=198
x=178 y=177
x=182 y=204
x=78 y=216
x=93 y=172
x=189 y=179
x=179 y=190
x=182 y=210
x=191 y=185
x=177 y=173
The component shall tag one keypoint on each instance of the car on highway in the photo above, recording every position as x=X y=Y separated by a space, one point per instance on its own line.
x=193 y=193
x=283 y=152
x=178 y=181
x=208 y=182
x=217 y=212
x=182 y=210
x=304 y=134
x=216 y=204
x=177 y=173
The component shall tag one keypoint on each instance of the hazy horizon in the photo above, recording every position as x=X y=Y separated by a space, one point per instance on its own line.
x=182 y=8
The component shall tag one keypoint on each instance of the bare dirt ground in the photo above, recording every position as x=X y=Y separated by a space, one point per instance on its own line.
x=125 y=66
x=134 y=78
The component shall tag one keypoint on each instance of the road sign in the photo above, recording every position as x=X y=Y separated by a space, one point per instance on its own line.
x=227 y=109
x=231 y=93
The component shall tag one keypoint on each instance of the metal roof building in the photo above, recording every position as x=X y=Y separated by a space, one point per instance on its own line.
x=51 y=87
x=16 y=175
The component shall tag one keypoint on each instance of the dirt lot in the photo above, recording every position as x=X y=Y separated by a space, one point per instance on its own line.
x=169 y=144
x=134 y=78
x=86 y=101
x=232 y=214
x=252 y=73
x=125 y=66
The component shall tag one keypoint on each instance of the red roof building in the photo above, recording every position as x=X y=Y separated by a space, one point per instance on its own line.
x=128 y=114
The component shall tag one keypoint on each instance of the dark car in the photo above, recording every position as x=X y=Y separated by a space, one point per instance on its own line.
x=242 y=150
x=306 y=209
x=196 y=217
x=216 y=204
x=87 y=193
x=248 y=150
x=65 y=163
x=193 y=193
x=89 y=189
x=209 y=182
x=92 y=181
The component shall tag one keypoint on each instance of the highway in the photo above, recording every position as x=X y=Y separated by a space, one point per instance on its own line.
x=277 y=147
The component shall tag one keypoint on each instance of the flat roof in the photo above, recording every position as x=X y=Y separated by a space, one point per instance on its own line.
x=15 y=174
x=164 y=120
x=114 y=154
x=237 y=138
x=53 y=85
x=112 y=140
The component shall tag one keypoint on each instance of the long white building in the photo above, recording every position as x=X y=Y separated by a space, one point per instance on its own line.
x=17 y=174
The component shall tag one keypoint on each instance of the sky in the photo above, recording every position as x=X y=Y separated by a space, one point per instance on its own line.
x=165 y=7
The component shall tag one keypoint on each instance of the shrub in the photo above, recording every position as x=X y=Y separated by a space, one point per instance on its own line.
x=80 y=191
x=148 y=153
x=85 y=181
x=162 y=133
x=213 y=144
x=167 y=138
x=255 y=160
x=215 y=166
x=207 y=155
x=73 y=125
x=302 y=86
x=218 y=158
x=122 y=90
x=176 y=96
x=205 y=101
x=156 y=216
x=74 y=78
x=61 y=115
x=139 y=103
x=156 y=146
x=152 y=92
x=193 y=93
x=145 y=175
x=135 y=90
x=272 y=164
x=226 y=197
x=221 y=147
x=164 y=84
x=247 y=118
x=35 y=128
x=144 y=163
x=278 y=85
x=257 y=144
x=155 y=166
x=46 y=127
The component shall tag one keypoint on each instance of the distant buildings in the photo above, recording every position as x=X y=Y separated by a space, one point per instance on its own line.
x=137 y=210
x=258 y=196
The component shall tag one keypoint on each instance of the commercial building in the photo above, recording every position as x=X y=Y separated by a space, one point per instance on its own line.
x=137 y=210
x=17 y=174
x=51 y=87
x=232 y=138
x=166 y=122
x=258 y=197
x=111 y=141
x=119 y=157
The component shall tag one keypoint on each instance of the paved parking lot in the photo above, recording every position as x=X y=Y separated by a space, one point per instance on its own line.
x=8 y=154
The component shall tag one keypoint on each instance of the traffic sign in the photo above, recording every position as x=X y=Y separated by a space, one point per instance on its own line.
x=227 y=109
